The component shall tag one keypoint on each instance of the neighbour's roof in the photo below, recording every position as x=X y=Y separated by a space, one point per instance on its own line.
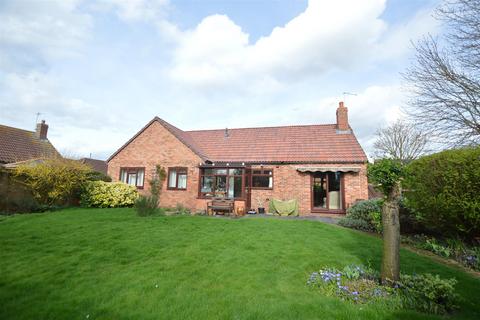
x=20 y=145
x=95 y=164
x=286 y=144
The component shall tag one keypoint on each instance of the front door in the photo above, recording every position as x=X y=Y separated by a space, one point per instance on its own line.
x=327 y=192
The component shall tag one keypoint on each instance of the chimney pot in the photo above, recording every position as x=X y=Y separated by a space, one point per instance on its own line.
x=41 y=130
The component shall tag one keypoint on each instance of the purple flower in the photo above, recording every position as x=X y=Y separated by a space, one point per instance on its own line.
x=355 y=293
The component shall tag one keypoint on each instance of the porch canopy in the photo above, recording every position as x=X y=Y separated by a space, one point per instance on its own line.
x=328 y=169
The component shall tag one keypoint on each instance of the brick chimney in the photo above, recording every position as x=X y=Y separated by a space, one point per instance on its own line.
x=342 y=118
x=41 y=130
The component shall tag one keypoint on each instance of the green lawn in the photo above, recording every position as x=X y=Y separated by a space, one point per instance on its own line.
x=111 y=264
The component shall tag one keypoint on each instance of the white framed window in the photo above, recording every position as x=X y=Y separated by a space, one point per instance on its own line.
x=177 y=178
x=133 y=176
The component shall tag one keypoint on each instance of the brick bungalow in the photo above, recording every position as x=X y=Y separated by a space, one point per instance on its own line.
x=322 y=166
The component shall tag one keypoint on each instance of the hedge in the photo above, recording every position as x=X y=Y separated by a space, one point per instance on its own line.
x=443 y=190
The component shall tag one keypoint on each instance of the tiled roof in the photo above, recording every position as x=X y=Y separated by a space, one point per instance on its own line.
x=288 y=144
x=20 y=145
x=298 y=144
x=95 y=164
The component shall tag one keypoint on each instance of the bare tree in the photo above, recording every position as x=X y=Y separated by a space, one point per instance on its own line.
x=400 y=141
x=445 y=78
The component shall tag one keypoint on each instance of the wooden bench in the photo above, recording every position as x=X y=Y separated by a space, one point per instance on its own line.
x=221 y=205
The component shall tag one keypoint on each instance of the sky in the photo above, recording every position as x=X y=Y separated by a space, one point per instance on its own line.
x=97 y=71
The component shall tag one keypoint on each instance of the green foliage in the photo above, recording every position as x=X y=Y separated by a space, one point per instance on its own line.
x=358 y=224
x=385 y=173
x=364 y=215
x=98 y=176
x=181 y=209
x=15 y=197
x=55 y=181
x=443 y=190
x=449 y=248
x=376 y=220
x=146 y=206
x=358 y=284
x=428 y=293
x=102 y=194
x=157 y=180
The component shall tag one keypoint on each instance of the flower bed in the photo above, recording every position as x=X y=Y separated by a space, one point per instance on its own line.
x=358 y=284
x=468 y=256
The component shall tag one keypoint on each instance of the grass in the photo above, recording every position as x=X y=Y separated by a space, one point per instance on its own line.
x=111 y=264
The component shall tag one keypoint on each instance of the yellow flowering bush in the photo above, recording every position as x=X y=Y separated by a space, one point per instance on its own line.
x=55 y=181
x=102 y=194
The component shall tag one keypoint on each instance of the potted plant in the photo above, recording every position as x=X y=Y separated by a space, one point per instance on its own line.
x=261 y=208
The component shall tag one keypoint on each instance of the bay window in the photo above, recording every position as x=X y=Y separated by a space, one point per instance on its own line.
x=133 y=176
x=221 y=182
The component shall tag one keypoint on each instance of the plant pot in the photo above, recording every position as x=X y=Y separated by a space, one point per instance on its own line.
x=261 y=210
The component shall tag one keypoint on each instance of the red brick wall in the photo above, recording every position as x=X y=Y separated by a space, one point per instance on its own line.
x=156 y=145
x=288 y=183
x=342 y=117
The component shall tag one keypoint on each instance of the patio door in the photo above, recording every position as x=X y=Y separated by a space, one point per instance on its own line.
x=327 y=192
x=248 y=190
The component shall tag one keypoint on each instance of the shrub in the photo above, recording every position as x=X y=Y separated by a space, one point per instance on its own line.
x=358 y=284
x=364 y=215
x=108 y=194
x=54 y=181
x=181 y=209
x=358 y=224
x=443 y=190
x=362 y=209
x=98 y=176
x=146 y=205
x=428 y=293
x=450 y=248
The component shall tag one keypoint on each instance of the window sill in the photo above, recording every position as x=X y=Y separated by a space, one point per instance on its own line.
x=321 y=210
x=210 y=198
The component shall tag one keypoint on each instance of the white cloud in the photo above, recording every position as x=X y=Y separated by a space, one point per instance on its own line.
x=48 y=28
x=396 y=41
x=342 y=35
x=324 y=37
x=136 y=10
x=77 y=127
x=23 y=95
x=373 y=108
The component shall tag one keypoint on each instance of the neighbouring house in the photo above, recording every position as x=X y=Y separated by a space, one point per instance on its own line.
x=322 y=166
x=95 y=164
x=23 y=146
